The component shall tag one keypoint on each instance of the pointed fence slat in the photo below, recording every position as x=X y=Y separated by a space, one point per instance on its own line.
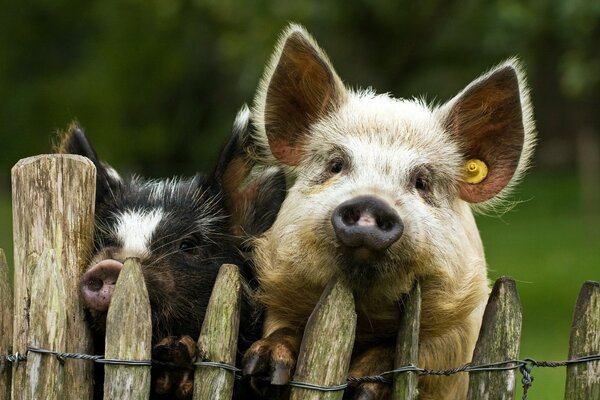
x=583 y=380
x=53 y=203
x=499 y=339
x=6 y=326
x=128 y=335
x=219 y=336
x=327 y=344
x=407 y=345
x=47 y=330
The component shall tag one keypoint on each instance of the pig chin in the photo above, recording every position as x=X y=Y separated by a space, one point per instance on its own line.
x=362 y=266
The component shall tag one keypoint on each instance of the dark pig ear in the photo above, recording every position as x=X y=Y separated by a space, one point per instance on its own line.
x=253 y=203
x=74 y=141
x=491 y=120
x=299 y=87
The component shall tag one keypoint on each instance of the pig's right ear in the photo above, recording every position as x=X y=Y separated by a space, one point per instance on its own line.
x=298 y=88
x=74 y=141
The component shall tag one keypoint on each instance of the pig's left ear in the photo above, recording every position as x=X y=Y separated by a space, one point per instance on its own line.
x=252 y=203
x=491 y=119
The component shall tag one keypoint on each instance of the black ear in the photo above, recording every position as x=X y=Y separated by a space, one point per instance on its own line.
x=252 y=202
x=108 y=181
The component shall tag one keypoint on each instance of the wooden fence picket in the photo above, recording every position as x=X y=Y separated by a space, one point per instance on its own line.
x=407 y=345
x=219 y=336
x=6 y=327
x=128 y=336
x=324 y=356
x=583 y=380
x=47 y=330
x=53 y=208
x=499 y=340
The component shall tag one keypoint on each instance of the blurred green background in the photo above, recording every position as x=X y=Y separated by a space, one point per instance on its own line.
x=156 y=85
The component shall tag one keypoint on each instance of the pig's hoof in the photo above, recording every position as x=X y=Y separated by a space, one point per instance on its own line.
x=175 y=374
x=270 y=364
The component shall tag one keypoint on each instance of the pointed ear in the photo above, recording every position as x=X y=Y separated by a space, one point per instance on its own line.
x=252 y=203
x=74 y=141
x=299 y=87
x=491 y=120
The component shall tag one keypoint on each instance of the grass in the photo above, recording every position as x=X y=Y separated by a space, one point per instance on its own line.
x=546 y=244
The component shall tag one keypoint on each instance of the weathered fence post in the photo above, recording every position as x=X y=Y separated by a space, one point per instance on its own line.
x=499 y=340
x=407 y=345
x=326 y=347
x=583 y=380
x=53 y=204
x=6 y=322
x=219 y=336
x=47 y=330
x=128 y=336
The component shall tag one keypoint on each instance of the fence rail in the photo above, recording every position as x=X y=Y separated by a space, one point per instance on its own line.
x=52 y=216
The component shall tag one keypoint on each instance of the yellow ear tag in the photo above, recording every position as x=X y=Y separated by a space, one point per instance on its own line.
x=475 y=171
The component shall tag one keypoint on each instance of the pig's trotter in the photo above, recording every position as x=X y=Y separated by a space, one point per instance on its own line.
x=270 y=363
x=177 y=375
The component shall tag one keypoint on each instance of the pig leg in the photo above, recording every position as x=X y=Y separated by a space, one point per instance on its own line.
x=270 y=362
x=372 y=361
x=177 y=376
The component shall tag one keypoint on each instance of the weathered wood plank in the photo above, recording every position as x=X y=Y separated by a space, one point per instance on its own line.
x=583 y=380
x=326 y=347
x=499 y=339
x=128 y=335
x=6 y=326
x=219 y=336
x=47 y=329
x=53 y=204
x=407 y=345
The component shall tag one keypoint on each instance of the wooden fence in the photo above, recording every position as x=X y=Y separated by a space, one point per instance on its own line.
x=53 y=212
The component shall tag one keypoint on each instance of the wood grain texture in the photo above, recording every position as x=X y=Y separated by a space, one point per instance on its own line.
x=47 y=330
x=128 y=335
x=499 y=340
x=327 y=344
x=407 y=345
x=219 y=336
x=6 y=326
x=53 y=208
x=583 y=380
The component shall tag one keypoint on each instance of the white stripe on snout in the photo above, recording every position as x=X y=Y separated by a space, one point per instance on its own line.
x=135 y=229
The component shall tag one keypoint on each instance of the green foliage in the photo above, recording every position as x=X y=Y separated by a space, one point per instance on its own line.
x=159 y=82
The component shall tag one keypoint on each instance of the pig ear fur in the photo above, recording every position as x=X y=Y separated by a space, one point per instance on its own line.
x=252 y=198
x=74 y=141
x=492 y=121
x=298 y=88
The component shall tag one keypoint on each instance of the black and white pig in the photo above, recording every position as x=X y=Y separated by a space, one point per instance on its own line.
x=382 y=196
x=182 y=230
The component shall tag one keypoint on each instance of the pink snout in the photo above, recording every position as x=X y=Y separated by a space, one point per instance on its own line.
x=98 y=283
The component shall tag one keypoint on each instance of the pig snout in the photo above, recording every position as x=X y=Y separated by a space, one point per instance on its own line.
x=98 y=283
x=366 y=223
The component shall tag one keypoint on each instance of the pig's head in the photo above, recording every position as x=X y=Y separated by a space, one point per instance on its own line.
x=383 y=187
x=182 y=230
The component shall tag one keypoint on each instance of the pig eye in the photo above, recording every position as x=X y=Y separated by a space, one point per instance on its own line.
x=336 y=166
x=188 y=245
x=421 y=184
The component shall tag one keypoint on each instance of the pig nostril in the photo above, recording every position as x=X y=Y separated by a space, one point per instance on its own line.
x=350 y=215
x=94 y=284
